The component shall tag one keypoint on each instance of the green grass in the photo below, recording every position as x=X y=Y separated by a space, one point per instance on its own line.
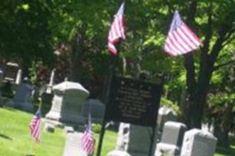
x=109 y=142
x=15 y=139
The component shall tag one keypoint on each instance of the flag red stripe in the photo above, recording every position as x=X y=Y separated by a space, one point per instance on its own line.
x=116 y=32
x=180 y=39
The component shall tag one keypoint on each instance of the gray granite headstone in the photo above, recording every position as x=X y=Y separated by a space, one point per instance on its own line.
x=22 y=98
x=95 y=108
x=171 y=141
x=67 y=102
x=140 y=140
x=198 y=143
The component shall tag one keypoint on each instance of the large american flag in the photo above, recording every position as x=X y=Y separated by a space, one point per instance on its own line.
x=87 y=140
x=180 y=39
x=35 y=125
x=117 y=30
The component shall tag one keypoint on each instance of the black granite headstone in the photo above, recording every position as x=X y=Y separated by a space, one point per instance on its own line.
x=133 y=101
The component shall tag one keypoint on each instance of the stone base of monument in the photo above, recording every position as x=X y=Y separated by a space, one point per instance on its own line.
x=118 y=153
x=69 y=129
x=54 y=123
x=166 y=149
x=48 y=127
x=69 y=119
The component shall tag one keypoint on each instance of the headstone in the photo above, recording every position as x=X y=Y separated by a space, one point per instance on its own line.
x=135 y=102
x=49 y=127
x=123 y=137
x=11 y=72
x=140 y=140
x=165 y=114
x=67 y=102
x=18 y=77
x=198 y=143
x=96 y=108
x=172 y=137
x=22 y=98
x=51 y=83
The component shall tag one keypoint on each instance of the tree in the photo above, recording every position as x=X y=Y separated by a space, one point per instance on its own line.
x=25 y=36
x=219 y=32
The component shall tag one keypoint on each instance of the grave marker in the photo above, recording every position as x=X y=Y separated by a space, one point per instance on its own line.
x=132 y=101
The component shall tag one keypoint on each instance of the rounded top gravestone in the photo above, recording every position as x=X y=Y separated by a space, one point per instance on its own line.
x=69 y=87
x=67 y=102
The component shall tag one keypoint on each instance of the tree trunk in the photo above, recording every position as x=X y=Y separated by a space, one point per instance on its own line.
x=196 y=93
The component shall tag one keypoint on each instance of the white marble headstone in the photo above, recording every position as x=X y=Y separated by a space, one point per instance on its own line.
x=67 y=102
x=198 y=143
x=171 y=141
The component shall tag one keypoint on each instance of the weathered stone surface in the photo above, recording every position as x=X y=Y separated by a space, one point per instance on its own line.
x=67 y=102
x=171 y=140
x=165 y=114
x=123 y=137
x=198 y=143
x=140 y=140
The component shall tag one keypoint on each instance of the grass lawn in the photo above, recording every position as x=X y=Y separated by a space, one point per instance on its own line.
x=15 y=139
x=109 y=142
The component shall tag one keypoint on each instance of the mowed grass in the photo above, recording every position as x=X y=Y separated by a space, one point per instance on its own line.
x=109 y=142
x=15 y=139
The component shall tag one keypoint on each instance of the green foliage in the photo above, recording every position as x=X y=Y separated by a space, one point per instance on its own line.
x=96 y=128
x=170 y=104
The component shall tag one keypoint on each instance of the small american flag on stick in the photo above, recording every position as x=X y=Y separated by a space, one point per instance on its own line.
x=117 y=30
x=87 y=140
x=35 y=125
x=180 y=39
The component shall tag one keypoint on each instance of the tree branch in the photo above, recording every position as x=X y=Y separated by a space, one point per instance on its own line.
x=205 y=48
x=224 y=64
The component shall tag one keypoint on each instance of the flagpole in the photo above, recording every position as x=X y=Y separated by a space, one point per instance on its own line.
x=106 y=99
x=113 y=37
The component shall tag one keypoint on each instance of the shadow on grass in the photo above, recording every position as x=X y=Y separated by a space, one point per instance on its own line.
x=5 y=137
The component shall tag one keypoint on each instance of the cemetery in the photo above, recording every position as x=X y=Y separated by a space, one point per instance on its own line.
x=117 y=78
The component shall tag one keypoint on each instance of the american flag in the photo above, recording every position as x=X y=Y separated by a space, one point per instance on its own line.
x=180 y=39
x=117 y=30
x=87 y=140
x=35 y=125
